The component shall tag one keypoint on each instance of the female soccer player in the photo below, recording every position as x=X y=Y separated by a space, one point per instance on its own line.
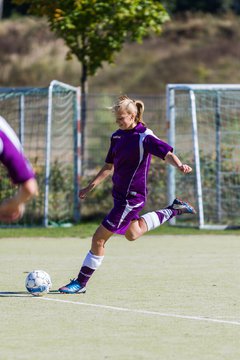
x=128 y=159
x=20 y=171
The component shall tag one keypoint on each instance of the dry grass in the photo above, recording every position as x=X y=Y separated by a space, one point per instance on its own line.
x=194 y=49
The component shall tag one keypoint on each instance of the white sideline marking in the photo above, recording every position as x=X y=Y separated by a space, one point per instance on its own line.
x=144 y=312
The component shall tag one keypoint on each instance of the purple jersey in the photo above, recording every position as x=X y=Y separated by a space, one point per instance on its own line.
x=130 y=152
x=11 y=155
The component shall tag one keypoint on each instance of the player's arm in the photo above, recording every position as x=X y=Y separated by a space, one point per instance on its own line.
x=105 y=171
x=157 y=147
x=12 y=209
x=26 y=191
x=173 y=160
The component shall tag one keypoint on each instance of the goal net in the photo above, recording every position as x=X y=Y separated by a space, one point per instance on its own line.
x=47 y=123
x=204 y=129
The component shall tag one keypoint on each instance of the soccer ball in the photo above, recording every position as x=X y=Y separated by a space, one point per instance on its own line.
x=38 y=282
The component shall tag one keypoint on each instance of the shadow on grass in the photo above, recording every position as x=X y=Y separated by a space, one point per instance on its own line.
x=25 y=293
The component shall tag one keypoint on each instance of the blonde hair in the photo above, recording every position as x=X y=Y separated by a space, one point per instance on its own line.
x=131 y=106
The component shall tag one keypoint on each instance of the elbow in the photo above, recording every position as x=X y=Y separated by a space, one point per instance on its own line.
x=168 y=156
x=30 y=188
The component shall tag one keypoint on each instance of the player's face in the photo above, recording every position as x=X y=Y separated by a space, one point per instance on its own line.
x=125 y=120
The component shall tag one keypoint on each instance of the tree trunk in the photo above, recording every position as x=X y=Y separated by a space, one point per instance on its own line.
x=83 y=111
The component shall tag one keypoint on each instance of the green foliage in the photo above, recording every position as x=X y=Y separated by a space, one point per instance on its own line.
x=173 y=6
x=99 y=202
x=157 y=185
x=95 y=30
x=61 y=199
x=6 y=186
x=229 y=184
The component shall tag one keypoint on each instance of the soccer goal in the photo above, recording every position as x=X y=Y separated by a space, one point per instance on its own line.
x=47 y=121
x=204 y=129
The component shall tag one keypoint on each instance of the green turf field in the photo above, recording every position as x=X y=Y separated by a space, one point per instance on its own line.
x=87 y=228
x=163 y=297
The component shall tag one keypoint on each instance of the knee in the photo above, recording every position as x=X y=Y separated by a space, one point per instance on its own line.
x=98 y=242
x=131 y=235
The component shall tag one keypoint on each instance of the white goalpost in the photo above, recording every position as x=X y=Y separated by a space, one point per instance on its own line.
x=204 y=129
x=63 y=147
x=47 y=121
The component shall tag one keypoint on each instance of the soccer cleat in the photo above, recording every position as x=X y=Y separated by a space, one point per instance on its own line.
x=72 y=288
x=183 y=206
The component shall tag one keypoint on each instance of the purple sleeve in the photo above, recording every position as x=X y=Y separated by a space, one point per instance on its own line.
x=20 y=171
x=14 y=160
x=157 y=147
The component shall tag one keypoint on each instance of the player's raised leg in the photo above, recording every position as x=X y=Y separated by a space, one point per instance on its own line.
x=152 y=220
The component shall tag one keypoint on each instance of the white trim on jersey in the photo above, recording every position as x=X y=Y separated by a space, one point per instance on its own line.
x=142 y=136
x=127 y=210
x=9 y=132
x=1 y=146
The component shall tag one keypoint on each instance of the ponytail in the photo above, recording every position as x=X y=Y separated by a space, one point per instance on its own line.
x=131 y=106
x=140 y=109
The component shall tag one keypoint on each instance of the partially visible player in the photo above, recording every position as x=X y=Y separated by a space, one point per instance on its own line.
x=128 y=160
x=20 y=171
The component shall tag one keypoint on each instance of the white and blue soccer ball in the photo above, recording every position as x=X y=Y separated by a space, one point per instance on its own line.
x=38 y=282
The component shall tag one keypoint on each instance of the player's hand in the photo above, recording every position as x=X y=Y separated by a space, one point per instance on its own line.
x=184 y=168
x=10 y=211
x=83 y=192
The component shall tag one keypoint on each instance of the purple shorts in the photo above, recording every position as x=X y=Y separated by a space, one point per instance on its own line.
x=123 y=212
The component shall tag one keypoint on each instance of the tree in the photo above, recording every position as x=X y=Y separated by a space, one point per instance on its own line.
x=95 y=30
